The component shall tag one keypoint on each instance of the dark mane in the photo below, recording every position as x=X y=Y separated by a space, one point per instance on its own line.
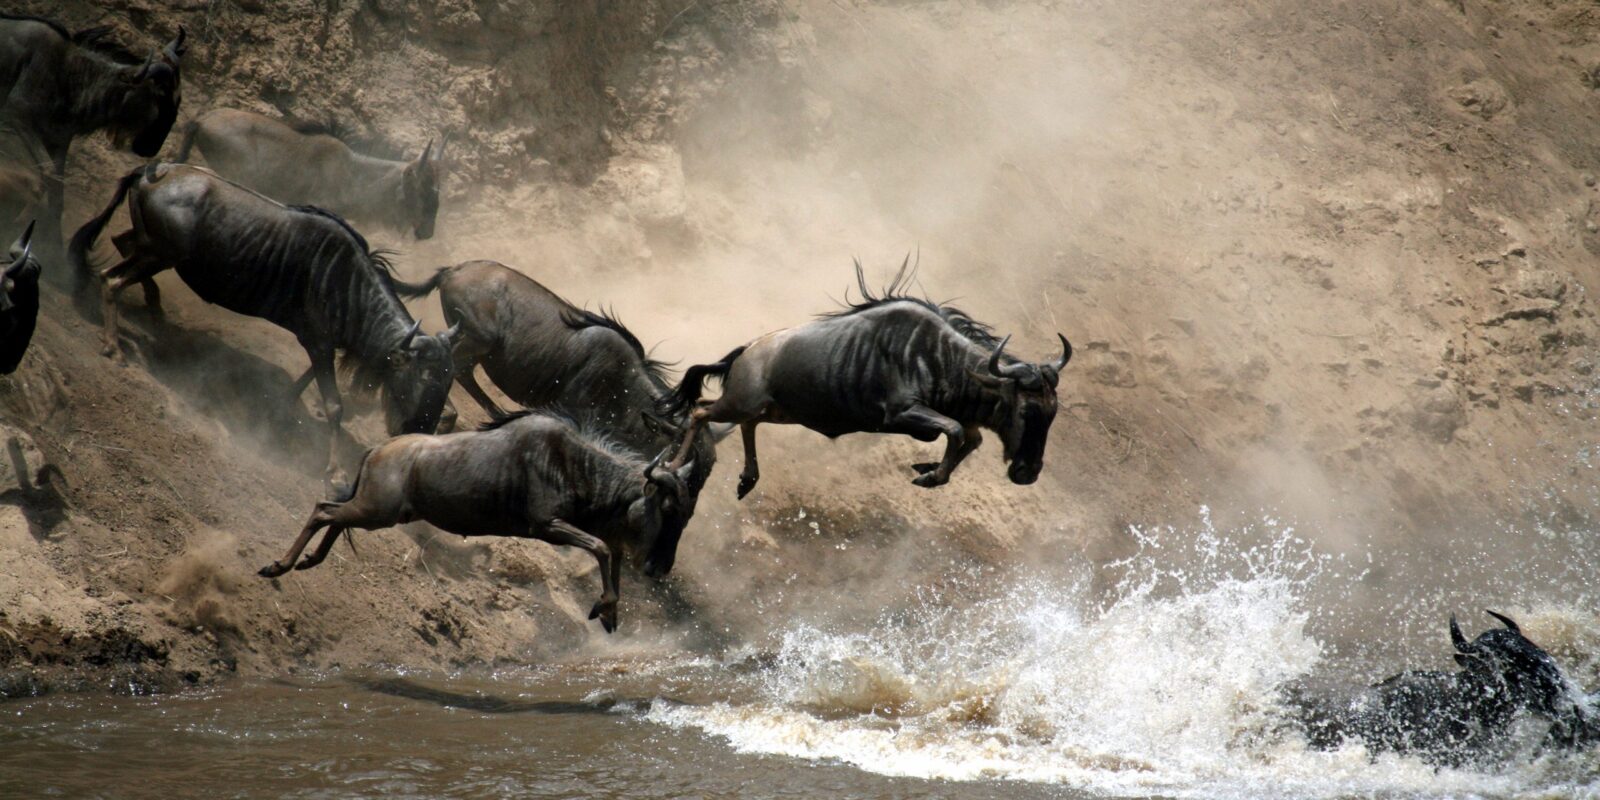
x=506 y=419
x=898 y=292
x=316 y=127
x=580 y=318
x=380 y=258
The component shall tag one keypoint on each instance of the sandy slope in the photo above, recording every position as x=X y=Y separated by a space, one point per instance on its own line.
x=1334 y=262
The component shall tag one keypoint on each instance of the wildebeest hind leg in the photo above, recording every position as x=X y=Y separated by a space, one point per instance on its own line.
x=323 y=547
x=562 y=533
x=469 y=381
x=752 y=470
x=133 y=269
x=919 y=420
x=320 y=518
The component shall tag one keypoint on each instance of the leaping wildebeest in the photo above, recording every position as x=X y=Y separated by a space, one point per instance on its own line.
x=300 y=165
x=302 y=268
x=529 y=474
x=1464 y=716
x=19 y=302
x=56 y=86
x=542 y=351
x=891 y=363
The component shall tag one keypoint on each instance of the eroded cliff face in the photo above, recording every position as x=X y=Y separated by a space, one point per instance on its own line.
x=1327 y=265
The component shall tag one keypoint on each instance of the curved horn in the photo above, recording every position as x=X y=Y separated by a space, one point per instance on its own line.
x=650 y=468
x=427 y=150
x=1457 y=638
x=444 y=139
x=1013 y=371
x=1510 y=623
x=411 y=334
x=176 y=48
x=145 y=68
x=1066 y=353
x=27 y=247
x=451 y=333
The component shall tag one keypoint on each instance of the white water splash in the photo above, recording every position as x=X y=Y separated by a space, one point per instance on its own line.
x=1170 y=687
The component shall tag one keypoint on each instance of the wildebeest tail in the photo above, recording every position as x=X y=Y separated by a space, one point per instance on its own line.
x=191 y=129
x=687 y=394
x=83 y=241
x=413 y=290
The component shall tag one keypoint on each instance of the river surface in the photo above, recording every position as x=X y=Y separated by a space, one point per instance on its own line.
x=1172 y=687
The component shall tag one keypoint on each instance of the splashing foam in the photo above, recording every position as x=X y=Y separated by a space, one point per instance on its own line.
x=1171 y=685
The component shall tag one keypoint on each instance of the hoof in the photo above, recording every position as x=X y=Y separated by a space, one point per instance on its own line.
x=656 y=571
x=607 y=614
x=925 y=467
x=930 y=480
x=746 y=483
x=271 y=570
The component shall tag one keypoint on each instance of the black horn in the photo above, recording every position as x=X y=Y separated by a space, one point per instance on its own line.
x=1510 y=623
x=411 y=334
x=176 y=48
x=1459 y=639
x=27 y=247
x=1013 y=371
x=427 y=150
x=1066 y=353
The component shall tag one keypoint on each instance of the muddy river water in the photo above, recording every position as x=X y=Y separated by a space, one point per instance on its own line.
x=1172 y=688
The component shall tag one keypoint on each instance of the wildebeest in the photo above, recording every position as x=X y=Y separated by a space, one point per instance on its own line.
x=19 y=302
x=543 y=351
x=529 y=474
x=1463 y=716
x=301 y=166
x=888 y=364
x=57 y=86
x=302 y=268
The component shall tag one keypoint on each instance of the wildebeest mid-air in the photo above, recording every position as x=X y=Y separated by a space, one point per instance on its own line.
x=19 y=302
x=542 y=351
x=1463 y=716
x=888 y=364
x=529 y=474
x=298 y=166
x=56 y=86
x=299 y=267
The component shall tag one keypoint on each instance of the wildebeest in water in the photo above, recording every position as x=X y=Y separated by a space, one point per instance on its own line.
x=299 y=267
x=531 y=475
x=19 y=302
x=58 y=86
x=1463 y=716
x=305 y=165
x=542 y=351
x=888 y=364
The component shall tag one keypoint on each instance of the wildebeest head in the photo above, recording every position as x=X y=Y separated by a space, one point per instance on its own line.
x=1027 y=394
x=22 y=268
x=666 y=499
x=1505 y=662
x=418 y=381
x=150 y=105
x=419 y=190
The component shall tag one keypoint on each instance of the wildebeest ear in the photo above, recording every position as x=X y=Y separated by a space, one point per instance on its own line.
x=1463 y=659
x=986 y=379
x=659 y=424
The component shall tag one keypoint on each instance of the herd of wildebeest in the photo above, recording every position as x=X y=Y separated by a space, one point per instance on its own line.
x=607 y=455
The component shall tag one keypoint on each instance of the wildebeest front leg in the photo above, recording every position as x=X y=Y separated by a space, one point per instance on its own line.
x=974 y=436
x=923 y=422
x=562 y=533
x=332 y=408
